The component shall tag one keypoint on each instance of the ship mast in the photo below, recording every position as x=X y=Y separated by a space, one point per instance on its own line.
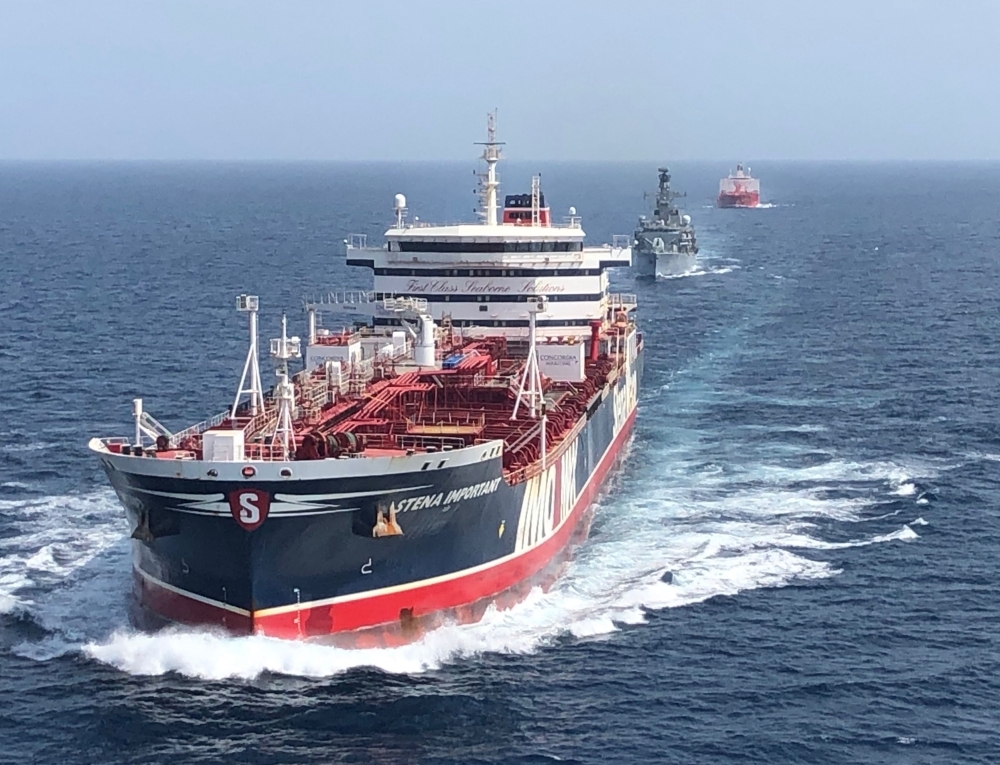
x=283 y=349
x=665 y=196
x=530 y=388
x=488 y=183
x=536 y=197
x=251 y=369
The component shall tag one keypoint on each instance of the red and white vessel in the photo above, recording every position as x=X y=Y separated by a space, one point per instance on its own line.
x=436 y=459
x=739 y=189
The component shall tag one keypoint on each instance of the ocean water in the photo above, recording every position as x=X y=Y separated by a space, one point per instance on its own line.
x=795 y=563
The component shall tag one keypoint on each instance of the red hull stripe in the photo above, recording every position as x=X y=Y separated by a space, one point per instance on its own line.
x=378 y=607
x=743 y=199
x=174 y=604
x=150 y=579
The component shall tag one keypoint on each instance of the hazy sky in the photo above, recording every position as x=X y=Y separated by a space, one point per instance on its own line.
x=615 y=79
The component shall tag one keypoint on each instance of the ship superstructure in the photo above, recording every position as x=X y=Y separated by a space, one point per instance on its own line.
x=739 y=189
x=480 y=277
x=434 y=460
x=665 y=244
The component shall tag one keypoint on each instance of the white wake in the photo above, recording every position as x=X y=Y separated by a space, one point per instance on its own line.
x=675 y=533
x=664 y=542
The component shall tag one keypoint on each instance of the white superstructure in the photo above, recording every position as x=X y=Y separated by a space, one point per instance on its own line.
x=739 y=182
x=484 y=275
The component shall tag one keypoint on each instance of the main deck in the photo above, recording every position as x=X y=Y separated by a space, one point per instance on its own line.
x=386 y=405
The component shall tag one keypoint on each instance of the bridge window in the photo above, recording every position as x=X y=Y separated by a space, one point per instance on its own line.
x=485 y=247
x=493 y=272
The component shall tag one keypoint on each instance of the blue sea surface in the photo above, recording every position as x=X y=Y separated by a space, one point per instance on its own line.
x=794 y=564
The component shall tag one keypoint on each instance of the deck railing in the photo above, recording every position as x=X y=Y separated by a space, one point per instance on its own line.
x=199 y=428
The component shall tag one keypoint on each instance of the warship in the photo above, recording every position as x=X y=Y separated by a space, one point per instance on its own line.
x=435 y=459
x=665 y=244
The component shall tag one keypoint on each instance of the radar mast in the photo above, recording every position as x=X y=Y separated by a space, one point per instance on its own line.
x=488 y=183
x=283 y=349
x=251 y=369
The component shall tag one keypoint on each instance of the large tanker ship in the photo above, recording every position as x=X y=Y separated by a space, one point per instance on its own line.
x=739 y=189
x=438 y=457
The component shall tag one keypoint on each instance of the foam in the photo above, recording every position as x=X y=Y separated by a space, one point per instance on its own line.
x=613 y=582
x=8 y=603
x=54 y=537
x=905 y=534
x=34 y=446
x=987 y=456
x=719 y=523
x=696 y=271
x=212 y=656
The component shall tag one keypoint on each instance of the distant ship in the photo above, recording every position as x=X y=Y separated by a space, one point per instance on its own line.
x=665 y=244
x=739 y=189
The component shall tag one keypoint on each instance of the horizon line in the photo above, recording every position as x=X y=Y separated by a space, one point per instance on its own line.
x=473 y=160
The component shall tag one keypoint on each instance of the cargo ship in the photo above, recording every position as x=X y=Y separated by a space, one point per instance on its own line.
x=664 y=245
x=739 y=189
x=438 y=456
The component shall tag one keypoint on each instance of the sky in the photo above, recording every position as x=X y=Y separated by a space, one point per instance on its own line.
x=573 y=80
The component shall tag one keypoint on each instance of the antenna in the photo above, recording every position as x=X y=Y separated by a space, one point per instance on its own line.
x=283 y=349
x=488 y=183
x=251 y=369
x=536 y=197
x=400 y=208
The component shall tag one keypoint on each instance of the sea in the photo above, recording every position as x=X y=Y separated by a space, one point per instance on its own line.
x=794 y=563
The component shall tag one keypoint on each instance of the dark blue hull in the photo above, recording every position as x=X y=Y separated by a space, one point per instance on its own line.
x=308 y=562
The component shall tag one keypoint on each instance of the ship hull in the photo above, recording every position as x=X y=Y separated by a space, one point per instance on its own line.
x=310 y=565
x=650 y=265
x=747 y=199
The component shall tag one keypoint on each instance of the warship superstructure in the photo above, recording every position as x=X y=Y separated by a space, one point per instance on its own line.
x=665 y=244
x=436 y=458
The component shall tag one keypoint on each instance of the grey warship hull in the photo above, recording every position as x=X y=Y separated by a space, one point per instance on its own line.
x=649 y=265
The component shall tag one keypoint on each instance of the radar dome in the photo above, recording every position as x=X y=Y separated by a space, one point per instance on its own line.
x=400 y=202
x=572 y=211
x=687 y=220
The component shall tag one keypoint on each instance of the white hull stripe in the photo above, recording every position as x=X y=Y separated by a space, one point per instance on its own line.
x=275 y=511
x=191 y=595
x=283 y=497
x=348 y=495
x=183 y=497
x=283 y=504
